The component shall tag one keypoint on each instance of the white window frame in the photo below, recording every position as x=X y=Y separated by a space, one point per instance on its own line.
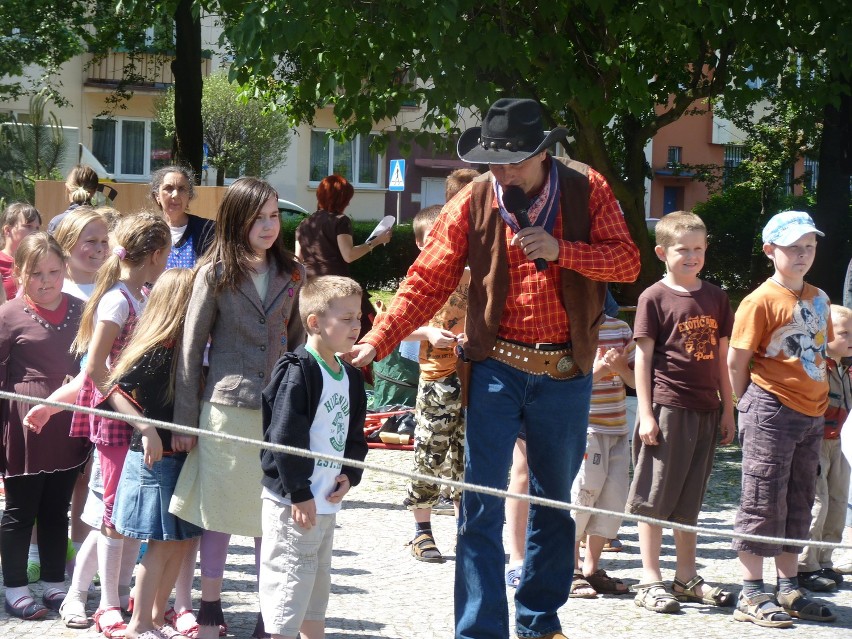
x=146 y=160
x=356 y=152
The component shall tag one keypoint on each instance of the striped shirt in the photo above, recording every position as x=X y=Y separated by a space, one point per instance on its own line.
x=608 y=413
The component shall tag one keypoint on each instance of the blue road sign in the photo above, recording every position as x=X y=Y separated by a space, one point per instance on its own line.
x=397 y=175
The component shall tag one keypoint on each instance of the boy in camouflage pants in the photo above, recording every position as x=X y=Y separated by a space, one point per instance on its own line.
x=439 y=416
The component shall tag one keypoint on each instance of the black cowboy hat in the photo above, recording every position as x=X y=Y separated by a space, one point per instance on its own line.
x=511 y=132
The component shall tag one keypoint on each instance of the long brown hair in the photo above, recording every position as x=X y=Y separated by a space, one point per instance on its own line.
x=139 y=235
x=160 y=324
x=231 y=249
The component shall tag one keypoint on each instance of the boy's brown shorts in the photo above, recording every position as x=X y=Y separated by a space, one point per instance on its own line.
x=670 y=479
x=780 y=461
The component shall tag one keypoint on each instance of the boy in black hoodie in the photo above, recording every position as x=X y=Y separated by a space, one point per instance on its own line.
x=314 y=401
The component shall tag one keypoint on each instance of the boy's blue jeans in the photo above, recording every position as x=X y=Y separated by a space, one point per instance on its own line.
x=555 y=415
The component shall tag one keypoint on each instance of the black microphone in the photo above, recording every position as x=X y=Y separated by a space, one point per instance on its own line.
x=516 y=202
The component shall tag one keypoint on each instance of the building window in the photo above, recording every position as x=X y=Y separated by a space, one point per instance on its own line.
x=353 y=159
x=130 y=148
x=811 y=176
x=674 y=157
x=734 y=155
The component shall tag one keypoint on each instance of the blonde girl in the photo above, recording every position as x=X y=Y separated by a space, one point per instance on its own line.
x=142 y=383
x=80 y=185
x=137 y=259
x=84 y=237
x=244 y=302
x=40 y=464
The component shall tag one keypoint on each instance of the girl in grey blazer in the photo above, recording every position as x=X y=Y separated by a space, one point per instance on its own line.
x=244 y=301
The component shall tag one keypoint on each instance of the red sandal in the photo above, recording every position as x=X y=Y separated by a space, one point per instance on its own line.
x=184 y=622
x=115 y=630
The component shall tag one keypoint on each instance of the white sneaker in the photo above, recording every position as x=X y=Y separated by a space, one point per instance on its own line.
x=844 y=566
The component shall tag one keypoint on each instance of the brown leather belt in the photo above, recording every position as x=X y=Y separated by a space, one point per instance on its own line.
x=558 y=364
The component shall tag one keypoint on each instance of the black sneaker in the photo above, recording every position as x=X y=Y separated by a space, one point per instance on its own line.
x=815 y=582
x=444 y=506
x=831 y=573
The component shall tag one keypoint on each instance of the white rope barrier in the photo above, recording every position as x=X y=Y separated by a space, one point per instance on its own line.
x=460 y=485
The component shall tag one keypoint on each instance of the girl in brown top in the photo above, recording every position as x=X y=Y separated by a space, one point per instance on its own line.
x=40 y=464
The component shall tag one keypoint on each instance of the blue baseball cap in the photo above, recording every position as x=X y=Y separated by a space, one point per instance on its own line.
x=787 y=227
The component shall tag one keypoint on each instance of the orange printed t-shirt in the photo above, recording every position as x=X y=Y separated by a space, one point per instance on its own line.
x=436 y=363
x=788 y=334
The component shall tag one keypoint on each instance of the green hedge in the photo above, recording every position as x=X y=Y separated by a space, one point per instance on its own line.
x=383 y=267
x=735 y=259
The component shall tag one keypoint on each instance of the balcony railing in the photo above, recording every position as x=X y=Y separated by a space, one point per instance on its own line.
x=151 y=70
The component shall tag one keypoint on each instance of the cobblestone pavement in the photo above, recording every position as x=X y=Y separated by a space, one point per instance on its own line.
x=379 y=590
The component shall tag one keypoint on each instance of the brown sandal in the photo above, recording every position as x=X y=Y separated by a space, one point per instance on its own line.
x=605 y=584
x=797 y=604
x=423 y=548
x=688 y=592
x=655 y=597
x=762 y=610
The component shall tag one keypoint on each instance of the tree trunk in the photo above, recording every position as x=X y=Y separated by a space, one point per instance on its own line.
x=833 y=198
x=186 y=68
x=629 y=190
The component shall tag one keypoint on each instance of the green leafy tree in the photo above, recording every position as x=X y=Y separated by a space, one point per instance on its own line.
x=238 y=131
x=36 y=38
x=614 y=73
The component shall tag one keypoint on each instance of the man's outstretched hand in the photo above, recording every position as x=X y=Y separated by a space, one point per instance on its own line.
x=360 y=355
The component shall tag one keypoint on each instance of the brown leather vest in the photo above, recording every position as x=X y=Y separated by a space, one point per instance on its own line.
x=489 y=282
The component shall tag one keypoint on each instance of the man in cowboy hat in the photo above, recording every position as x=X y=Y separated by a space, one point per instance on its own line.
x=531 y=337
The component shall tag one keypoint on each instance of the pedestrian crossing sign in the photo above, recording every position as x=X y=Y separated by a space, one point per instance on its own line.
x=397 y=175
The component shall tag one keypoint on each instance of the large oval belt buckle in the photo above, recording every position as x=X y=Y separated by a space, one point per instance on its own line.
x=565 y=364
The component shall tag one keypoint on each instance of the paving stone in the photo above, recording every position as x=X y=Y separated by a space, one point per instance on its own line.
x=379 y=590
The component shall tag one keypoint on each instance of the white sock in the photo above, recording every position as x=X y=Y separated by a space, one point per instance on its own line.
x=32 y=556
x=87 y=563
x=128 y=562
x=109 y=565
x=14 y=594
x=183 y=584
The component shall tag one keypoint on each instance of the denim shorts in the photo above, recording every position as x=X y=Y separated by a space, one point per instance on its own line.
x=142 y=500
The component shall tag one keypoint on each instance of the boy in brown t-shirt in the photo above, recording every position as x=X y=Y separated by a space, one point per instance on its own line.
x=684 y=395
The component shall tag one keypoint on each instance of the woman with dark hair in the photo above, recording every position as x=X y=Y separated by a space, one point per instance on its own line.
x=324 y=241
x=172 y=188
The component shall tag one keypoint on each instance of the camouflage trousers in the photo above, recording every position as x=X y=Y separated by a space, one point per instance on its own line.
x=438 y=436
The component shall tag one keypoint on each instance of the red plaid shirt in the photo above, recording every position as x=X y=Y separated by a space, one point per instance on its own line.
x=534 y=310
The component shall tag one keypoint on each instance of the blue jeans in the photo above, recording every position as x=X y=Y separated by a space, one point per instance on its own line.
x=555 y=415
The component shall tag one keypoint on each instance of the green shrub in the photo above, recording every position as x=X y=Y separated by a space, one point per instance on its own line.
x=382 y=268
